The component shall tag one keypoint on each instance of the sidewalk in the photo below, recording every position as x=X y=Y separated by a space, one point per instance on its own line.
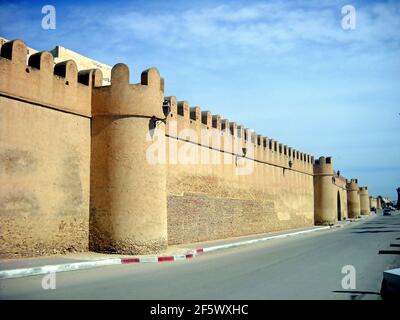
x=15 y=268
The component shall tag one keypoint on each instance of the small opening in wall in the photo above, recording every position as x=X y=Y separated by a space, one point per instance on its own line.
x=27 y=70
x=67 y=83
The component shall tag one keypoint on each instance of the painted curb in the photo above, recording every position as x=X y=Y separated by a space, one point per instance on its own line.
x=25 y=272
x=155 y=259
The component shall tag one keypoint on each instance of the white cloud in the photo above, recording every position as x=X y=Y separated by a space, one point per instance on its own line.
x=275 y=27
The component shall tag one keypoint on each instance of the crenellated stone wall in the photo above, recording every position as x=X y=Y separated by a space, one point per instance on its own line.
x=121 y=168
x=214 y=191
x=44 y=154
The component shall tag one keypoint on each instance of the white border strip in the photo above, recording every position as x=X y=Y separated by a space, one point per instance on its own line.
x=246 y=242
x=18 y=273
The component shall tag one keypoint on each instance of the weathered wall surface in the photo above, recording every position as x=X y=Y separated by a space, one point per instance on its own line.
x=365 y=207
x=353 y=198
x=341 y=192
x=44 y=174
x=210 y=206
x=128 y=192
x=211 y=201
x=44 y=154
x=330 y=194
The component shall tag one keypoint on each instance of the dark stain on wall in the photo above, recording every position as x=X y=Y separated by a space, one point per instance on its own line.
x=17 y=161
x=19 y=204
x=70 y=182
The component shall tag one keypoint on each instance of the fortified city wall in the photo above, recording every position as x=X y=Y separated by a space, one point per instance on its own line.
x=121 y=168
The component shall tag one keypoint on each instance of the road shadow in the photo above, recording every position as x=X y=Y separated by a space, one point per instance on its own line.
x=379 y=227
x=383 y=223
x=376 y=231
x=357 y=295
x=389 y=252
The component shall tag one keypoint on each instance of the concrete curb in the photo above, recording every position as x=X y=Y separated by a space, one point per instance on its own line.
x=155 y=259
x=25 y=272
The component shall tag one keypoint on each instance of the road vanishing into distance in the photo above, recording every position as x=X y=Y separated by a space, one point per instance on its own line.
x=307 y=266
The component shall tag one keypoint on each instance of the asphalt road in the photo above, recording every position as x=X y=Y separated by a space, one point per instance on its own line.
x=302 y=267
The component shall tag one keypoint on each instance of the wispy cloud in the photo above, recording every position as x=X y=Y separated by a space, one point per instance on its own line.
x=274 y=28
x=277 y=26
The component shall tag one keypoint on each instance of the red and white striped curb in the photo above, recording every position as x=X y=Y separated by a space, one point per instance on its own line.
x=24 y=272
x=158 y=259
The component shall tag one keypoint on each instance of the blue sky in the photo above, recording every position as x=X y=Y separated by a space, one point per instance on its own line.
x=285 y=69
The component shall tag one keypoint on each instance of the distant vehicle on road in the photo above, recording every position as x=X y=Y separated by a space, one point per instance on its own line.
x=386 y=211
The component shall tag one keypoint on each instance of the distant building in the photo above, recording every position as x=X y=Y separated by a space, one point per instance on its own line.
x=62 y=54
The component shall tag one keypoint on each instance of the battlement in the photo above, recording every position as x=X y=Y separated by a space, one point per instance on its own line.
x=268 y=150
x=342 y=179
x=195 y=114
x=352 y=185
x=363 y=189
x=41 y=82
x=323 y=165
x=184 y=109
x=206 y=118
x=122 y=98
x=233 y=129
x=323 y=161
x=216 y=121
